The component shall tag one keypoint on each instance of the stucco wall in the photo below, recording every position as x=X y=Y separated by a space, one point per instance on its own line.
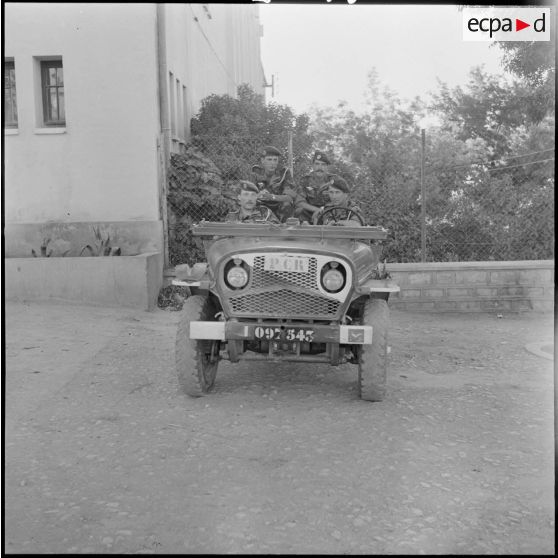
x=104 y=166
x=211 y=49
x=130 y=281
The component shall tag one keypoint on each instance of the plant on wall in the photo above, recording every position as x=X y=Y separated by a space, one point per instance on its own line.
x=44 y=252
x=102 y=247
x=381 y=272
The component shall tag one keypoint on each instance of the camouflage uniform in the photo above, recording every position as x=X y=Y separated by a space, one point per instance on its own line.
x=277 y=184
x=312 y=190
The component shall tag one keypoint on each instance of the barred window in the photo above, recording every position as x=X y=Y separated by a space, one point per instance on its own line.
x=10 y=101
x=52 y=81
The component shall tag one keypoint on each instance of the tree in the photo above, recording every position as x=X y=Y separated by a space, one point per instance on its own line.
x=227 y=135
x=487 y=107
x=488 y=170
x=239 y=127
x=534 y=63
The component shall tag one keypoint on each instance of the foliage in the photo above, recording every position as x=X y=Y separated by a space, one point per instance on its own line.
x=479 y=204
x=43 y=249
x=44 y=252
x=245 y=124
x=172 y=297
x=486 y=108
x=381 y=272
x=378 y=152
x=534 y=63
x=196 y=191
x=488 y=164
x=227 y=136
x=102 y=247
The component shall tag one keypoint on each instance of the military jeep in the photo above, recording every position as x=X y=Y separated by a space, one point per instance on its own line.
x=285 y=292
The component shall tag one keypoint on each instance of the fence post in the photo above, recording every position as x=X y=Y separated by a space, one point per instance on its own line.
x=422 y=199
x=290 y=151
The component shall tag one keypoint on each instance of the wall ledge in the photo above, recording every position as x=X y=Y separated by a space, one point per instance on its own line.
x=446 y=266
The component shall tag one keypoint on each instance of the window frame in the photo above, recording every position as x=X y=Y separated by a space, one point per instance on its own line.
x=10 y=124
x=46 y=87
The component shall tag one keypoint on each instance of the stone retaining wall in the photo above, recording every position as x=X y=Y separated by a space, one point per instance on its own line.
x=474 y=286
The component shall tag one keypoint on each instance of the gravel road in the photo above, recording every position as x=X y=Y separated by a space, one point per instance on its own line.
x=104 y=455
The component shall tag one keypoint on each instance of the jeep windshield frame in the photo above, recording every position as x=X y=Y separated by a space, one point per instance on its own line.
x=282 y=230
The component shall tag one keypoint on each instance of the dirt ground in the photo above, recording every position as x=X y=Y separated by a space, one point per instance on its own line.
x=104 y=455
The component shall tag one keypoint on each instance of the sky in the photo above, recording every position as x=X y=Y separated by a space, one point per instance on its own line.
x=322 y=53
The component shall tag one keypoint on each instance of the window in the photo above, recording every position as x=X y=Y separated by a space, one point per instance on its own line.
x=52 y=84
x=10 y=102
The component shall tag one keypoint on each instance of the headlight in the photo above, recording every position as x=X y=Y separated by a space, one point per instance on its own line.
x=333 y=280
x=237 y=277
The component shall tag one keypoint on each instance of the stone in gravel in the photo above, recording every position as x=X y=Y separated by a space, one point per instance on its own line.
x=336 y=534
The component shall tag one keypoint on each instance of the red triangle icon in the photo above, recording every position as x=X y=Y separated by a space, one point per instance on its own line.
x=519 y=25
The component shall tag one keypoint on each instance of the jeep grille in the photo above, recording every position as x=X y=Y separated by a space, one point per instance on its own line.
x=283 y=294
x=284 y=304
x=262 y=278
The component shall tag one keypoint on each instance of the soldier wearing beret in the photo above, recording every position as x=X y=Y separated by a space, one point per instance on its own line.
x=338 y=194
x=275 y=183
x=312 y=192
x=249 y=211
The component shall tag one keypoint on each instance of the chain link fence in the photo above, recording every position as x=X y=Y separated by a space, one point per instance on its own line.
x=475 y=212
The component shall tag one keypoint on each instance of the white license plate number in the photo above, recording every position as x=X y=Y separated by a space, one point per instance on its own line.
x=296 y=264
x=289 y=334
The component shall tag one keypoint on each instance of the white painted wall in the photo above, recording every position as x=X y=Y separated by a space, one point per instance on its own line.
x=104 y=167
x=212 y=50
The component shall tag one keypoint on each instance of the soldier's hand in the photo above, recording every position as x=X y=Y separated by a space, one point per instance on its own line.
x=315 y=215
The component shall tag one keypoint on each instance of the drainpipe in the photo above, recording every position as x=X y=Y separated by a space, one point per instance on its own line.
x=164 y=137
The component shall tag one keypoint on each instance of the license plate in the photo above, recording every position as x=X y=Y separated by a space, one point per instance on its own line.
x=289 y=334
x=281 y=262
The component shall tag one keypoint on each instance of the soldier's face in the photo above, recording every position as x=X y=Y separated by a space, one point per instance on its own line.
x=247 y=200
x=320 y=167
x=270 y=162
x=337 y=197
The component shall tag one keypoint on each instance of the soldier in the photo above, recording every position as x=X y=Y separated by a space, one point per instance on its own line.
x=312 y=194
x=249 y=211
x=338 y=193
x=275 y=183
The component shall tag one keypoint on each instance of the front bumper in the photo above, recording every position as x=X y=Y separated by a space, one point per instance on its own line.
x=273 y=331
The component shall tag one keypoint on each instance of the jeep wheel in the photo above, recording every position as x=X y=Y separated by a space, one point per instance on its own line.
x=372 y=366
x=196 y=360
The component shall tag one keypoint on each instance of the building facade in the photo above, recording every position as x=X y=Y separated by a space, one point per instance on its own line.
x=97 y=96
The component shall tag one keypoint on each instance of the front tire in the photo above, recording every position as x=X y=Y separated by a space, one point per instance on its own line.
x=372 y=365
x=196 y=359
